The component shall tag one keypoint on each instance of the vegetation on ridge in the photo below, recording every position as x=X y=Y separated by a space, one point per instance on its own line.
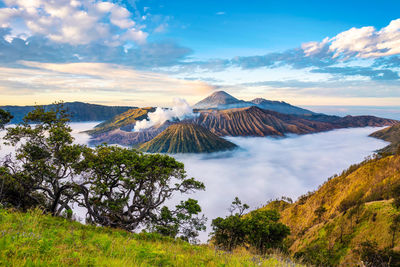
x=392 y=135
x=124 y=120
x=346 y=216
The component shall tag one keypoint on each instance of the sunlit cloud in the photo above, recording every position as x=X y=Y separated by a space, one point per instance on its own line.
x=92 y=82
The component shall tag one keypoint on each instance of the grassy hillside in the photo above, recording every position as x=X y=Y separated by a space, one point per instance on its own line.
x=186 y=138
x=33 y=239
x=328 y=226
x=126 y=119
x=390 y=134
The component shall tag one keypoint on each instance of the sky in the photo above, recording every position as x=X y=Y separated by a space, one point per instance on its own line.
x=147 y=52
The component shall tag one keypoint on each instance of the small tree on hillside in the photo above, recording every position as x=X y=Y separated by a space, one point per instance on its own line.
x=260 y=229
x=127 y=189
x=5 y=117
x=319 y=212
x=45 y=159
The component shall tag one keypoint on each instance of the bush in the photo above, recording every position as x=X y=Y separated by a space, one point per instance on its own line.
x=371 y=256
x=260 y=229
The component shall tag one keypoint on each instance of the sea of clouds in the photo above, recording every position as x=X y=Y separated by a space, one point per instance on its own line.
x=264 y=168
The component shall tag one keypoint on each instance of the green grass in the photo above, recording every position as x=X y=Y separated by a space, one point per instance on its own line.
x=33 y=239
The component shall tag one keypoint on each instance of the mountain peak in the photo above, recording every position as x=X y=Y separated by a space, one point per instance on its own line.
x=222 y=94
x=216 y=99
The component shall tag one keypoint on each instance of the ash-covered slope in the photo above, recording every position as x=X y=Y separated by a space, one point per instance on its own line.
x=254 y=121
x=186 y=138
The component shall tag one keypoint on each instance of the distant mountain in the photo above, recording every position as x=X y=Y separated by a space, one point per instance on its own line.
x=186 y=138
x=390 y=134
x=344 y=212
x=223 y=100
x=254 y=121
x=220 y=100
x=79 y=111
x=125 y=121
x=280 y=106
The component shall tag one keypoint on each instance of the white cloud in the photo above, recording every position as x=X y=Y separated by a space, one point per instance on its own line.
x=74 y=22
x=181 y=109
x=365 y=42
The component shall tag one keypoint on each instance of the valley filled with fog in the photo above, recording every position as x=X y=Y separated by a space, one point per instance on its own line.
x=265 y=168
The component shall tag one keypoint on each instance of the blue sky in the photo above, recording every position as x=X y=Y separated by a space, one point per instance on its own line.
x=146 y=52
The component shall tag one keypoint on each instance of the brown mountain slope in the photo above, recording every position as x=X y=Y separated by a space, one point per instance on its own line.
x=254 y=121
x=186 y=138
x=390 y=134
x=344 y=212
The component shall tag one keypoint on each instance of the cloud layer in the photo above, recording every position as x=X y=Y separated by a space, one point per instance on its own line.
x=268 y=168
x=264 y=168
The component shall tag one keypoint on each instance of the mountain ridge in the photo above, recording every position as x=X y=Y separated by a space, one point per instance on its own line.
x=223 y=100
x=79 y=111
x=344 y=212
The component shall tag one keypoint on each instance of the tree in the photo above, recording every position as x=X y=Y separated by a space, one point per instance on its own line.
x=230 y=232
x=264 y=230
x=396 y=196
x=181 y=222
x=5 y=117
x=319 y=212
x=260 y=229
x=372 y=256
x=398 y=150
x=127 y=189
x=45 y=158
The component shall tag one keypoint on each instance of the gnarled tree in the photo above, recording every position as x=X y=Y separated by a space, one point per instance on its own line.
x=45 y=158
x=127 y=189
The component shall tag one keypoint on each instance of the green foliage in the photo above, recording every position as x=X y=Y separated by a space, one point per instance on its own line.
x=319 y=253
x=260 y=229
x=126 y=189
x=396 y=196
x=5 y=117
x=372 y=256
x=181 y=222
x=44 y=161
x=264 y=230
